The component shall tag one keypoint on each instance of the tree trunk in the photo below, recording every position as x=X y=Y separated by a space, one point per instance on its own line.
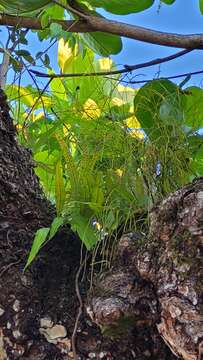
x=157 y=280
x=149 y=283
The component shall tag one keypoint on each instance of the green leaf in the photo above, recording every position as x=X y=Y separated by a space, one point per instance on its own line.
x=26 y=55
x=22 y=53
x=39 y=240
x=102 y=43
x=29 y=59
x=201 y=5
x=193 y=107
x=171 y=109
x=168 y=2
x=56 y=11
x=46 y=60
x=148 y=102
x=26 y=95
x=56 y=224
x=197 y=161
x=45 y=18
x=23 y=6
x=122 y=7
x=82 y=225
x=55 y=29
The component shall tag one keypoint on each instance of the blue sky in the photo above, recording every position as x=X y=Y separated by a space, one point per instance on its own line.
x=182 y=17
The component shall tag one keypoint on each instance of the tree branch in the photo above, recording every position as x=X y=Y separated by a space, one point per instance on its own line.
x=125 y=70
x=93 y=23
x=130 y=82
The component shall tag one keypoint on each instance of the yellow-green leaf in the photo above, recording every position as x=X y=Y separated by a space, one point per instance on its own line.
x=39 y=240
x=56 y=224
x=59 y=188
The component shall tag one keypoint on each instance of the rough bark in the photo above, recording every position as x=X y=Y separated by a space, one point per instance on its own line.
x=157 y=281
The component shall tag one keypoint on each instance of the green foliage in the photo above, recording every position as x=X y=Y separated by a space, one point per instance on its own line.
x=165 y=113
x=104 y=152
x=101 y=43
x=114 y=6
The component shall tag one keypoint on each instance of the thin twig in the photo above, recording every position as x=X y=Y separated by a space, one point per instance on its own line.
x=6 y=268
x=163 y=77
x=35 y=103
x=80 y=309
x=126 y=69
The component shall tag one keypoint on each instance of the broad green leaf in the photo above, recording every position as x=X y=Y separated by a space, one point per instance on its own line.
x=197 y=161
x=193 y=107
x=82 y=88
x=39 y=240
x=147 y=104
x=102 y=43
x=168 y=2
x=82 y=225
x=26 y=95
x=171 y=109
x=55 y=11
x=56 y=224
x=58 y=90
x=23 y=6
x=201 y=5
x=122 y=7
